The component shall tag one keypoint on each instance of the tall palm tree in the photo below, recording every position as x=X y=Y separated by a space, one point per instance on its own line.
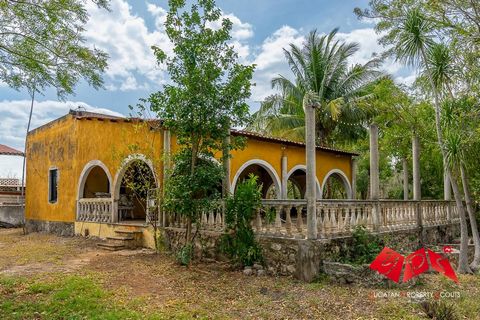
x=413 y=41
x=320 y=66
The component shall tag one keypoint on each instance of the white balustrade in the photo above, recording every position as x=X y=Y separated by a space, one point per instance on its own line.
x=94 y=210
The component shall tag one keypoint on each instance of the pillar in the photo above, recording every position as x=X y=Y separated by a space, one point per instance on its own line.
x=226 y=161
x=284 y=190
x=354 y=179
x=417 y=194
x=310 y=183
x=405 y=178
x=374 y=167
x=374 y=174
x=166 y=164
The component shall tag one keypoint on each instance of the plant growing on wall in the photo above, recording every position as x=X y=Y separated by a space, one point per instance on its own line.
x=206 y=96
x=239 y=241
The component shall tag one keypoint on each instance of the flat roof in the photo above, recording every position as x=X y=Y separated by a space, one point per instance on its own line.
x=78 y=114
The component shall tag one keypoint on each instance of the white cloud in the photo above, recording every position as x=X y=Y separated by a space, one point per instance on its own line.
x=127 y=40
x=14 y=115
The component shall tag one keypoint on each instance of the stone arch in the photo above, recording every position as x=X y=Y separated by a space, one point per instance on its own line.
x=342 y=177
x=125 y=164
x=85 y=173
x=303 y=168
x=267 y=167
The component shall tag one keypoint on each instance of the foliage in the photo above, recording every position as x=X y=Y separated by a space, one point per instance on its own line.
x=364 y=247
x=206 y=97
x=42 y=46
x=439 y=310
x=239 y=240
x=190 y=194
x=319 y=66
x=185 y=254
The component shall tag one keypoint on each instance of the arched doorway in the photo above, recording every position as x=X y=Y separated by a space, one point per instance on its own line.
x=267 y=176
x=95 y=181
x=336 y=186
x=297 y=183
x=94 y=200
x=134 y=183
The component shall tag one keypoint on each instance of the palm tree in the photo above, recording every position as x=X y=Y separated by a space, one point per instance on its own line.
x=320 y=66
x=459 y=142
x=413 y=42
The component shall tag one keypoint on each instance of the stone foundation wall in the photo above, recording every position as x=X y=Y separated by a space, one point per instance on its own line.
x=64 y=229
x=207 y=243
x=302 y=258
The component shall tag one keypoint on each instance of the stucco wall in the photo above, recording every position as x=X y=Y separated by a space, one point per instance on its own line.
x=53 y=146
x=11 y=214
x=72 y=144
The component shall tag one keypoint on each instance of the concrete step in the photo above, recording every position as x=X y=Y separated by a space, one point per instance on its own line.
x=111 y=246
x=128 y=232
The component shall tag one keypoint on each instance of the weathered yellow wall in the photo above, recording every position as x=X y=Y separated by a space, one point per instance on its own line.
x=69 y=144
x=272 y=153
x=47 y=147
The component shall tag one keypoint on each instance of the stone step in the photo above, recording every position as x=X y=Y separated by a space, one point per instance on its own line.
x=121 y=238
x=130 y=232
x=111 y=246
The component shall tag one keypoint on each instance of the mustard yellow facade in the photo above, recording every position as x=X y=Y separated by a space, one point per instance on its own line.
x=90 y=154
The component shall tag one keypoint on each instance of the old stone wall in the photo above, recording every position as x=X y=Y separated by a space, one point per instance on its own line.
x=64 y=229
x=207 y=243
x=304 y=259
x=11 y=215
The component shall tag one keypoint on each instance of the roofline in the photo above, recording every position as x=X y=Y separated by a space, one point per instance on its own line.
x=103 y=117
x=262 y=137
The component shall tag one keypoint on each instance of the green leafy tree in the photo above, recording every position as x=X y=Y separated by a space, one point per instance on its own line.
x=239 y=240
x=320 y=66
x=205 y=98
x=41 y=46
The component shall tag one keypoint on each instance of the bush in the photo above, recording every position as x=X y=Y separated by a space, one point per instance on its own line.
x=239 y=241
x=185 y=254
x=364 y=248
x=439 y=310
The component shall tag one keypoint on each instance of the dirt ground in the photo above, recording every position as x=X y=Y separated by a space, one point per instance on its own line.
x=154 y=284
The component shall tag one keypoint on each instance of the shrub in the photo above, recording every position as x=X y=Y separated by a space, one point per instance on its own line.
x=364 y=248
x=239 y=241
x=439 y=310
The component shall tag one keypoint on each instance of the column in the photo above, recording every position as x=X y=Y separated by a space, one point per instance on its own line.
x=405 y=178
x=417 y=194
x=310 y=183
x=354 y=178
x=374 y=171
x=166 y=164
x=226 y=161
x=374 y=174
x=284 y=191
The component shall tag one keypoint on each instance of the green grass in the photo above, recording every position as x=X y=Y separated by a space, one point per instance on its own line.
x=71 y=297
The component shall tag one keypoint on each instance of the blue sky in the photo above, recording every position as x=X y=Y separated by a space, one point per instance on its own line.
x=261 y=29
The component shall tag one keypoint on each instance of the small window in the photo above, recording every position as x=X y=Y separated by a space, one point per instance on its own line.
x=53 y=185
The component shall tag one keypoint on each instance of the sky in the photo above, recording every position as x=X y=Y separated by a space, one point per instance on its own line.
x=261 y=29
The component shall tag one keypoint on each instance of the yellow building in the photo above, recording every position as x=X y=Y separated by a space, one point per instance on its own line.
x=77 y=164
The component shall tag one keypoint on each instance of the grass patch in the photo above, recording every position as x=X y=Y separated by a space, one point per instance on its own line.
x=71 y=297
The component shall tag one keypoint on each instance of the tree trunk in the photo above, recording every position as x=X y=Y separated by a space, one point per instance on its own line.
x=405 y=178
x=463 y=266
x=473 y=222
x=25 y=155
